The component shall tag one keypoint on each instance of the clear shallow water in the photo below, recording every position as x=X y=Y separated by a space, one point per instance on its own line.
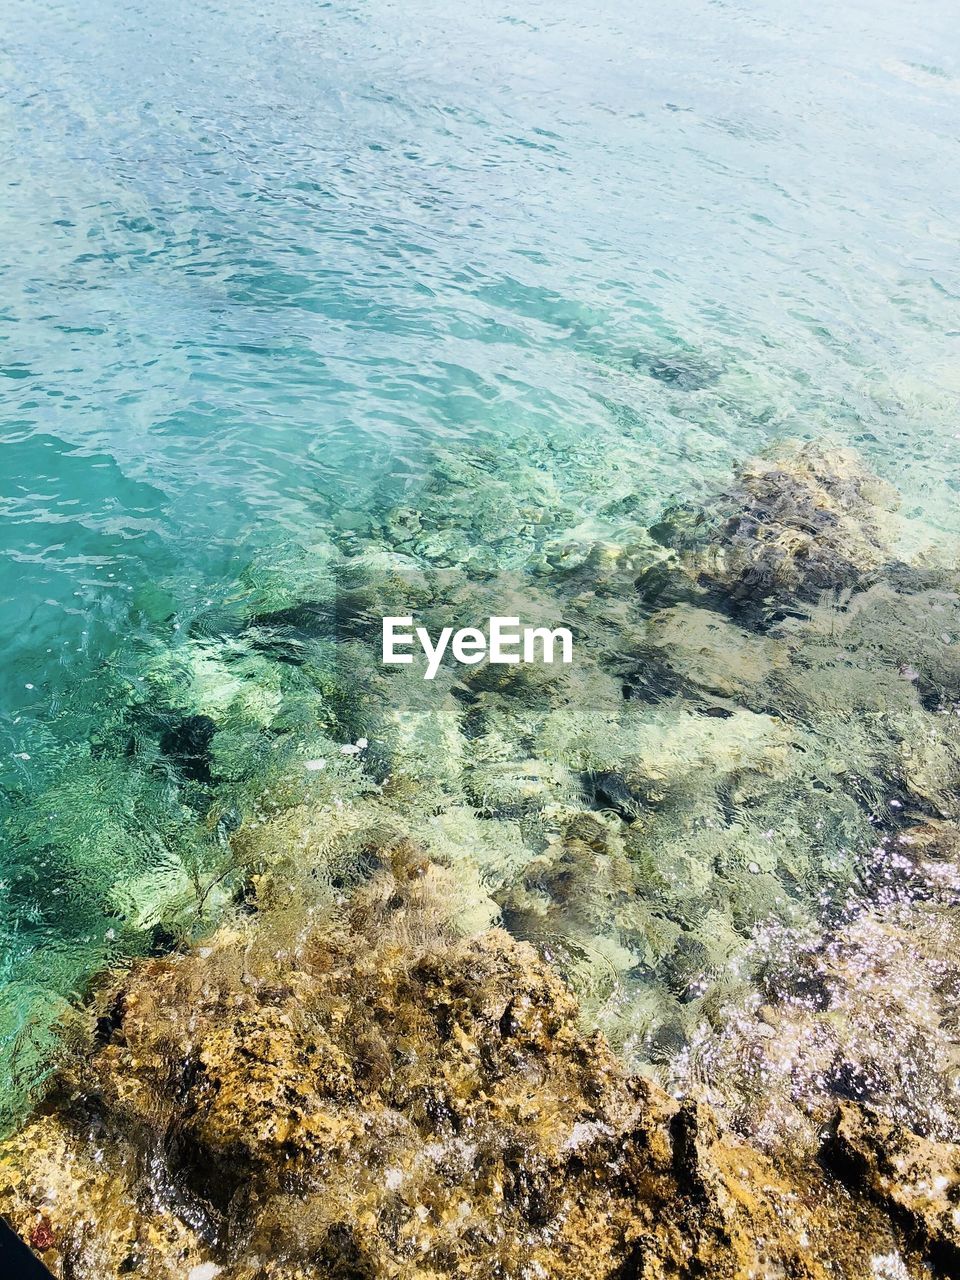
x=264 y=272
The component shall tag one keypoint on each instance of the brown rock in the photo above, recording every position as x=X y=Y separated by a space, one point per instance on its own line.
x=373 y=1098
x=803 y=521
x=914 y=1178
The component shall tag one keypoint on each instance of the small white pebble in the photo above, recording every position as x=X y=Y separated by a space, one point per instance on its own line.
x=21 y=755
x=28 y=686
x=348 y=749
x=362 y=744
x=314 y=766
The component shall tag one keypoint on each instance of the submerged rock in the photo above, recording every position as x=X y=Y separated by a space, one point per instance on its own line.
x=861 y=1010
x=361 y=1079
x=683 y=370
x=706 y=649
x=796 y=524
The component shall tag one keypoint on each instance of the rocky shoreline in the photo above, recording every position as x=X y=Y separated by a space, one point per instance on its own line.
x=377 y=1097
x=646 y=970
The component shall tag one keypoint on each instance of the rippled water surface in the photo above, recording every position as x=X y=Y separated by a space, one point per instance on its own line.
x=269 y=271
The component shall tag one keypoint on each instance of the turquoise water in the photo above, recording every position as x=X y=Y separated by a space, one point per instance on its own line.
x=268 y=272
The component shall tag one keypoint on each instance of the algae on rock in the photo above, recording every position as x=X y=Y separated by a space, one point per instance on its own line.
x=369 y=1096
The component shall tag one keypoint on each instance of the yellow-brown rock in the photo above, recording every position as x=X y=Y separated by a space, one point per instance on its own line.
x=916 y=1179
x=370 y=1097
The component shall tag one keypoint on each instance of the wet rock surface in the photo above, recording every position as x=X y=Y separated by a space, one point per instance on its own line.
x=915 y=1179
x=377 y=1098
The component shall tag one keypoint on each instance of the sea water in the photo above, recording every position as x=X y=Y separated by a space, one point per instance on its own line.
x=277 y=278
